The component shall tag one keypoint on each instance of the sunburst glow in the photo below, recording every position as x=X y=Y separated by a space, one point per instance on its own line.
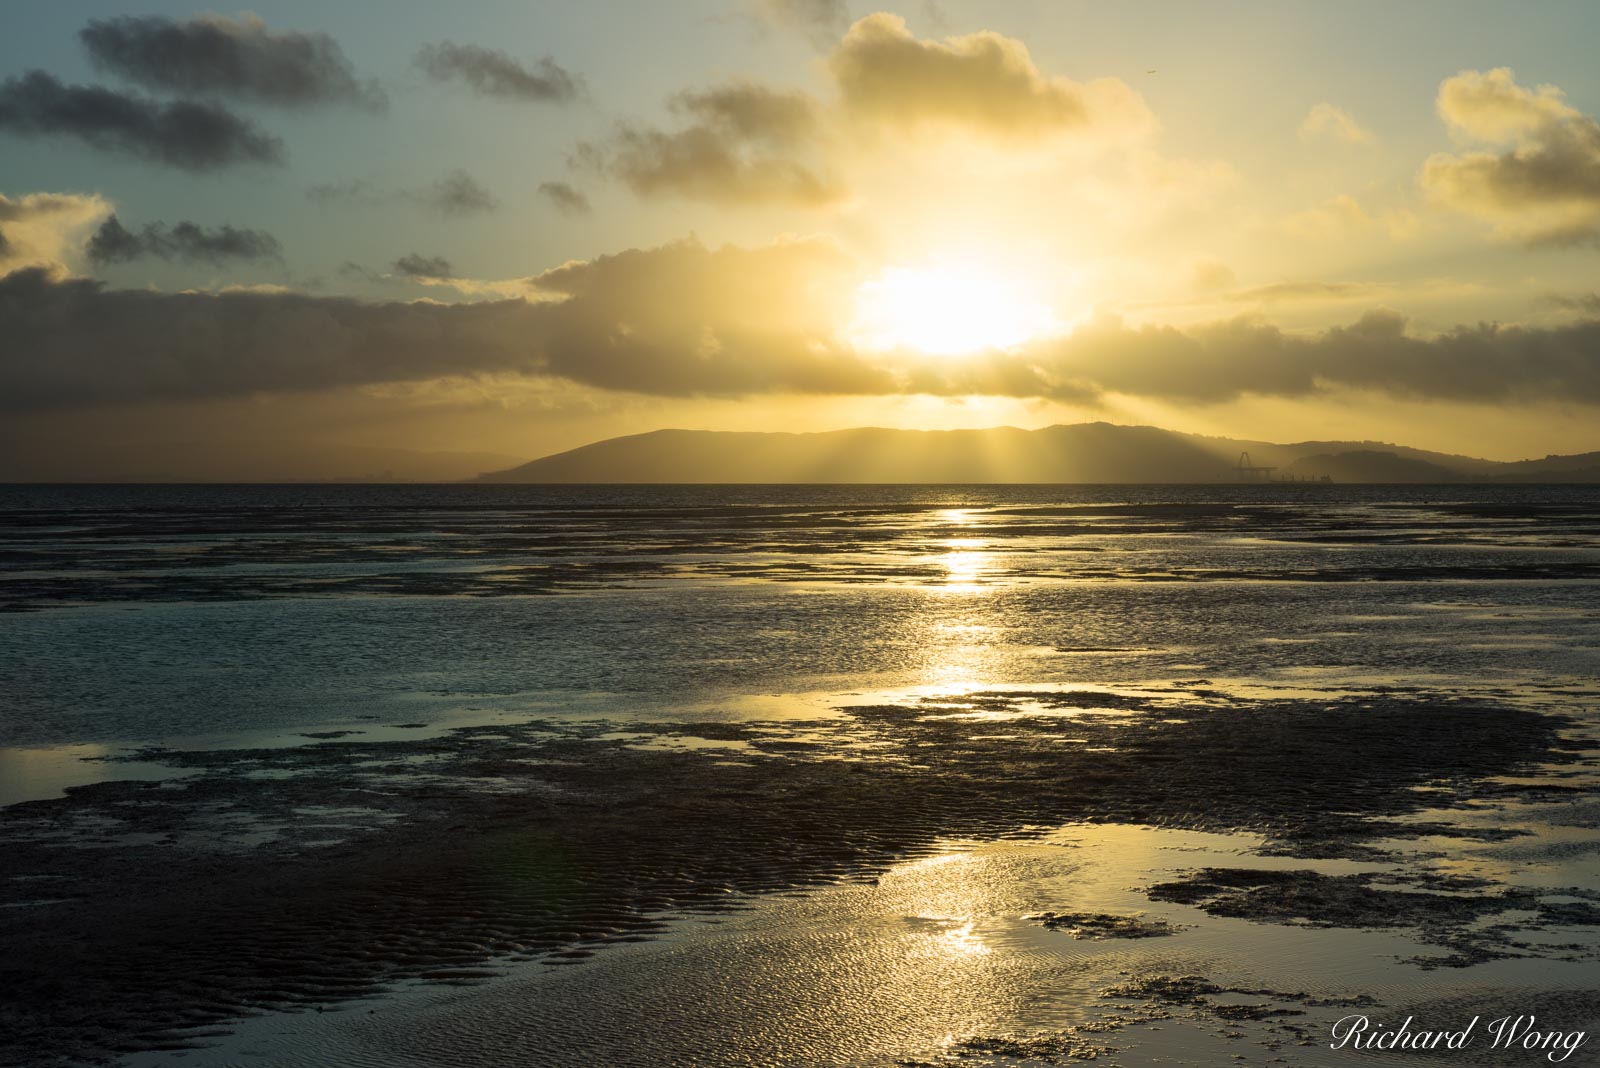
x=947 y=309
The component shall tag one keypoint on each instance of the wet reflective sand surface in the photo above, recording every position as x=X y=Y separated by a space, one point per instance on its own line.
x=794 y=775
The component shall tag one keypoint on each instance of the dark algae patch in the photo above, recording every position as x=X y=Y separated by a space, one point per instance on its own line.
x=1450 y=919
x=305 y=877
x=1100 y=925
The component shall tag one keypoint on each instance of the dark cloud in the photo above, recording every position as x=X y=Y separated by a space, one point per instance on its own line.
x=184 y=134
x=1225 y=360
x=213 y=54
x=457 y=193
x=680 y=320
x=685 y=320
x=114 y=243
x=5 y=244
x=741 y=143
x=416 y=265
x=1542 y=184
x=491 y=73
x=567 y=200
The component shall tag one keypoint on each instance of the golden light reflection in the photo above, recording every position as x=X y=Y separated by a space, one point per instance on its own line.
x=960 y=941
x=965 y=564
x=945 y=891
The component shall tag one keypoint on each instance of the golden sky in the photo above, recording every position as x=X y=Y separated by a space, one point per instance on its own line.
x=515 y=229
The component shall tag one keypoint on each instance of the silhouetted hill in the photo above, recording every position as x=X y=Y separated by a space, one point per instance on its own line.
x=1082 y=452
x=1370 y=465
x=1583 y=467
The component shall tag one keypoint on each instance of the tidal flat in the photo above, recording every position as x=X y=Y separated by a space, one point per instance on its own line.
x=794 y=776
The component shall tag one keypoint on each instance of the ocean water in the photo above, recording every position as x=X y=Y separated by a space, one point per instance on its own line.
x=142 y=614
x=824 y=754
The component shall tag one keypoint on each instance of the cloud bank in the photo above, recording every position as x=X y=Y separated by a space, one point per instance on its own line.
x=684 y=320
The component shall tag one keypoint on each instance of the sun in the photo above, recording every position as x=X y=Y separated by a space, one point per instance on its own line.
x=947 y=309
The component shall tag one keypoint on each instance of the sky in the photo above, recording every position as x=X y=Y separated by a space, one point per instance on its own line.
x=251 y=241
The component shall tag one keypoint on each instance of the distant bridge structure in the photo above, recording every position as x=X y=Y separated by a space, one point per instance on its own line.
x=1249 y=472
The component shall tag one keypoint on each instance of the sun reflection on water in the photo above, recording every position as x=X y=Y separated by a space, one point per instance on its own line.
x=966 y=565
x=960 y=941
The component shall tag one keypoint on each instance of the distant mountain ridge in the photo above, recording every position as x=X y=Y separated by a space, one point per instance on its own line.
x=1076 y=453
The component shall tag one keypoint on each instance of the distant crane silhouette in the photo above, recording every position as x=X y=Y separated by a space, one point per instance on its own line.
x=1249 y=472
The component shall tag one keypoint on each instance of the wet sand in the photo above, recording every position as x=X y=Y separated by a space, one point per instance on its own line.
x=146 y=915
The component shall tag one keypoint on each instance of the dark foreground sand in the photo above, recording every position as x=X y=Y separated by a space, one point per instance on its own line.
x=146 y=915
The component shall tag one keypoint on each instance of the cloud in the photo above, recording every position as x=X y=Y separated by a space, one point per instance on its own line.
x=1338 y=216
x=45 y=230
x=114 y=243
x=184 y=134
x=354 y=191
x=457 y=193
x=821 y=21
x=1209 y=276
x=678 y=320
x=1584 y=302
x=1541 y=185
x=352 y=270
x=1325 y=120
x=491 y=73
x=216 y=55
x=1483 y=363
x=416 y=265
x=1274 y=292
x=746 y=143
x=1491 y=106
x=982 y=82
x=741 y=143
x=686 y=320
x=567 y=200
